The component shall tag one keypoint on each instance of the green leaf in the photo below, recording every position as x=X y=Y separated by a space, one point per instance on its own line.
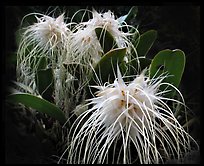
x=131 y=14
x=124 y=68
x=38 y=62
x=135 y=40
x=132 y=68
x=42 y=63
x=172 y=61
x=106 y=39
x=39 y=104
x=108 y=65
x=44 y=82
x=133 y=65
x=146 y=41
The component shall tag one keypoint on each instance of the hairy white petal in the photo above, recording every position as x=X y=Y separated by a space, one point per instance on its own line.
x=47 y=37
x=134 y=113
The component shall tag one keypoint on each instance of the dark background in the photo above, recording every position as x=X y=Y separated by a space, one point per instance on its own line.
x=178 y=27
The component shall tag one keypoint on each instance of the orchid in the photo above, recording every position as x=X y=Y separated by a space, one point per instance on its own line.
x=46 y=38
x=127 y=116
x=85 y=44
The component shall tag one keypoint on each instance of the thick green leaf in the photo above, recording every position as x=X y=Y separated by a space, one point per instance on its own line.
x=45 y=85
x=108 y=65
x=42 y=63
x=134 y=68
x=106 y=39
x=39 y=104
x=35 y=62
x=135 y=39
x=146 y=41
x=131 y=14
x=124 y=68
x=171 y=61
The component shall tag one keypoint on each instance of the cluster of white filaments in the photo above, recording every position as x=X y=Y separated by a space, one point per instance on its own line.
x=48 y=32
x=108 y=22
x=47 y=38
x=127 y=119
x=85 y=45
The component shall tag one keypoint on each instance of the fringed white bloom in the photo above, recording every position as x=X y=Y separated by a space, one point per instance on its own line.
x=48 y=38
x=85 y=45
x=108 y=22
x=47 y=33
x=127 y=123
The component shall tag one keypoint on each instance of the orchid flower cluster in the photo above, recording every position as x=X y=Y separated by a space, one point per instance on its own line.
x=123 y=104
